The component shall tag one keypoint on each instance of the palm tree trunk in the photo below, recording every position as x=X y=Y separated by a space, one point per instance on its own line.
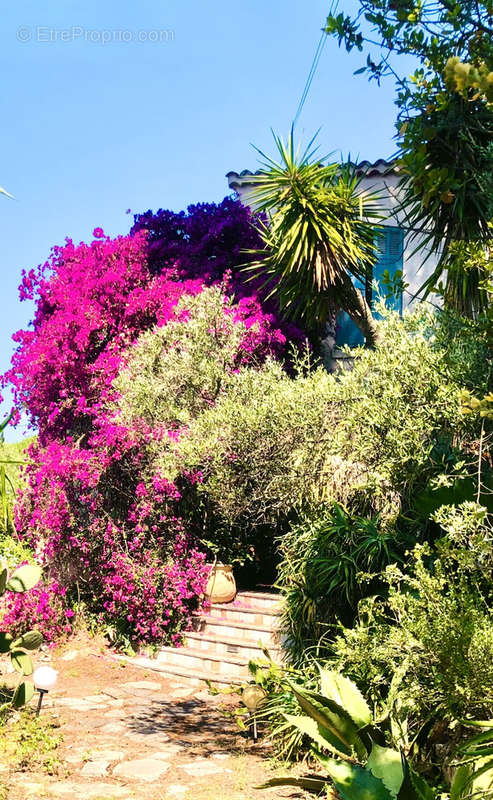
x=353 y=302
x=328 y=338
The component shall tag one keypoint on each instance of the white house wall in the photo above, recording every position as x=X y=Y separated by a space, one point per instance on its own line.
x=416 y=270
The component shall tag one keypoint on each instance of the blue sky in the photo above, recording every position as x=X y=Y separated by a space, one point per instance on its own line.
x=92 y=127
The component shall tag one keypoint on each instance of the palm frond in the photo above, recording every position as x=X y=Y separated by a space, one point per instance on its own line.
x=320 y=228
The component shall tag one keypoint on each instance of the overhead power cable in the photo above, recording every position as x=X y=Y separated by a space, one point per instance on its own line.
x=313 y=68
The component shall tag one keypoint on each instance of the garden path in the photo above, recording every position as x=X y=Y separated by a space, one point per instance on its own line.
x=128 y=733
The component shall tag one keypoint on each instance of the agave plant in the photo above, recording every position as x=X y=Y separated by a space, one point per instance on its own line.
x=350 y=747
x=319 y=235
x=474 y=776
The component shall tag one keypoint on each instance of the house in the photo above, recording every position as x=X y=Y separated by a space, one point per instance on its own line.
x=397 y=246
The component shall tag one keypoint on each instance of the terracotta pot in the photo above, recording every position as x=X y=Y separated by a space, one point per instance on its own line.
x=221 y=586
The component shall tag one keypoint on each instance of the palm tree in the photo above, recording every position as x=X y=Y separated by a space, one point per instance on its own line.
x=319 y=234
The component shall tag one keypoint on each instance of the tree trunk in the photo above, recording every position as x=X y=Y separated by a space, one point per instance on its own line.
x=352 y=301
x=328 y=339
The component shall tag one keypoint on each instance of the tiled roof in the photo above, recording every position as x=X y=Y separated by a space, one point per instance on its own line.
x=379 y=167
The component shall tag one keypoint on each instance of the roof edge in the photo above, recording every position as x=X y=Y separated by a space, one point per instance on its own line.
x=363 y=168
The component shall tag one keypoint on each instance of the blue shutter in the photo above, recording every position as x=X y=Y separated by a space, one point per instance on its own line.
x=390 y=258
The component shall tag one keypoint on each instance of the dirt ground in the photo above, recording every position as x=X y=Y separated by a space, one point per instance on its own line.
x=130 y=733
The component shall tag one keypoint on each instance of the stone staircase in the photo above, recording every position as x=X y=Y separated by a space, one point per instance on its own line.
x=224 y=641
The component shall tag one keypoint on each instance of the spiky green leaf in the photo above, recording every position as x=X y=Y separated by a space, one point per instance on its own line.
x=346 y=694
x=321 y=736
x=386 y=764
x=335 y=719
x=461 y=783
x=354 y=782
x=413 y=786
x=315 y=785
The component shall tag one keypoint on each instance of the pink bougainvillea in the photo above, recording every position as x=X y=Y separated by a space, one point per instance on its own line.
x=44 y=608
x=87 y=509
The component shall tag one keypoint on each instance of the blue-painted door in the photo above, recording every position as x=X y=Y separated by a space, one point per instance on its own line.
x=390 y=260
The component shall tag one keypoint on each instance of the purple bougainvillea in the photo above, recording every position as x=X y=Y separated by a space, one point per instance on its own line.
x=86 y=509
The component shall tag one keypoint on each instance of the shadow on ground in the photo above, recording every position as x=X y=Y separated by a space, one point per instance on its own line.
x=200 y=724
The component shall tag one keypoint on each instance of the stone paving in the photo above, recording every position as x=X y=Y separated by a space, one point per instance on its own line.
x=145 y=738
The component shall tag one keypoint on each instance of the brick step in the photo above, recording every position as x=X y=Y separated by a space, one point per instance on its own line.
x=187 y=675
x=249 y=632
x=226 y=665
x=267 y=600
x=239 y=613
x=228 y=645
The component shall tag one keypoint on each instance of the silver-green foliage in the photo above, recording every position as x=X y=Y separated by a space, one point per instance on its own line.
x=175 y=371
x=364 y=438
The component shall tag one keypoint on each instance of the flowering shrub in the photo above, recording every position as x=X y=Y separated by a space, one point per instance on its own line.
x=44 y=608
x=150 y=598
x=202 y=242
x=95 y=507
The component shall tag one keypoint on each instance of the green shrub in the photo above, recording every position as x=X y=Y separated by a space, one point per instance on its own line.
x=321 y=558
x=253 y=446
x=427 y=649
x=12 y=459
x=172 y=375
x=175 y=371
x=369 y=439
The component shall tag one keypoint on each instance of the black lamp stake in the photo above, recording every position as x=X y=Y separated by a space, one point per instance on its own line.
x=42 y=692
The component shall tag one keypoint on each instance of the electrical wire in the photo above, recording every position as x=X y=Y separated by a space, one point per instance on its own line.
x=313 y=68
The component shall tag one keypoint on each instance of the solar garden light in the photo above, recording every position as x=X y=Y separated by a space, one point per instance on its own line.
x=253 y=696
x=45 y=679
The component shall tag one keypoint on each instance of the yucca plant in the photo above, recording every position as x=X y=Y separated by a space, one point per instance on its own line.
x=350 y=746
x=319 y=235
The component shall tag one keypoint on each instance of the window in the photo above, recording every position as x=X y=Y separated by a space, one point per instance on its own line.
x=390 y=260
